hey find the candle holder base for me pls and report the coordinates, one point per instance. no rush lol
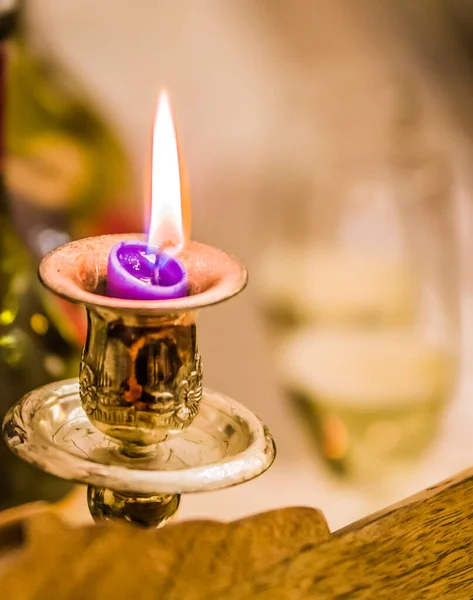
(152, 510)
(225, 445)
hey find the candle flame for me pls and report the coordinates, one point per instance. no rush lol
(166, 227)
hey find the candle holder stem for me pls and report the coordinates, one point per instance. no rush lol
(145, 510)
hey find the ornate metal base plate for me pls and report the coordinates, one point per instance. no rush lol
(225, 445)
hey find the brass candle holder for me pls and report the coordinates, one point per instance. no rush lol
(137, 426)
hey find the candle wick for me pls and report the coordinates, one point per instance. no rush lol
(160, 261)
(162, 255)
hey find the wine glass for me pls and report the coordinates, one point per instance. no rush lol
(358, 284)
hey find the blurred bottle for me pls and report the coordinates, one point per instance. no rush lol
(66, 176)
(33, 350)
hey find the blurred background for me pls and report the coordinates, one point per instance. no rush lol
(328, 145)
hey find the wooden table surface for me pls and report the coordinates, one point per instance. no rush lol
(420, 548)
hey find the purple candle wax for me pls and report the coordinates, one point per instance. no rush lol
(136, 271)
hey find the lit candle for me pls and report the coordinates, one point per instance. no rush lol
(151, 271)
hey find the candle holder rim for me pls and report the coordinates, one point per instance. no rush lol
(229, 276)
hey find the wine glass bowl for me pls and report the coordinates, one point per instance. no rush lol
(361, 301)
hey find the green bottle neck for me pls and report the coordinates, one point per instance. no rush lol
(8, 23)
(3, 199)
(21, 18)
